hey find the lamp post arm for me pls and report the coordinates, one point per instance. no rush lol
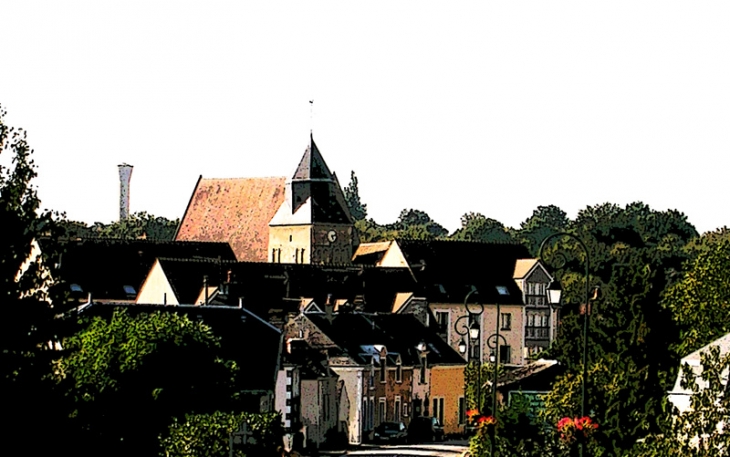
(586, 305)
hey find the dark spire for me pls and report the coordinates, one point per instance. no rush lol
(312, 165)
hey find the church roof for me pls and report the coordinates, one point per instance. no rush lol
(236, 211)
(312, 165)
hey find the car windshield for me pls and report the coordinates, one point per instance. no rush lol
(390, 426)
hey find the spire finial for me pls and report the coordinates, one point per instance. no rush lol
(311, 115)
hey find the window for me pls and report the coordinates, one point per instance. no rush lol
(506, 321)
(442, 321)
(371, 384)
(382, 370)
(396, 408)
(462, 411)
(423, 370)
(502, 290)
(381, 410)
(504, 354)
(398, 373)
(438, 409)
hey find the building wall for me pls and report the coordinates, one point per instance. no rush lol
(447, 382)
(287, 242)
(156, 289)
(487, 321)
(288, 387)
(327, 251)
(350, 408)
(319, 407)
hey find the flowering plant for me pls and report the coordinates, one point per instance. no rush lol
(486, 420)
(571, 429)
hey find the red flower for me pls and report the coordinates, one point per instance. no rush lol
(471, 413)
(486, 420)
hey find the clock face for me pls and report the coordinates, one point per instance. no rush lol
(332, 236)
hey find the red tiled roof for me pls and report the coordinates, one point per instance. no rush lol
(236, 211)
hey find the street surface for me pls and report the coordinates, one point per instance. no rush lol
(435, 450)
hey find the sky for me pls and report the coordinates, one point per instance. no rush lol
(446, 107)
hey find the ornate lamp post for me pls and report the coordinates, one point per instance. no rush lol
(471, 330)
(554, 298)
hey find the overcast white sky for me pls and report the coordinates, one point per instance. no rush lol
(450, 107)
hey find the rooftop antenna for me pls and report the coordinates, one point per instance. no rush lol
(311, 115)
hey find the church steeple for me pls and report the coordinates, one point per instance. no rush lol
(313, 224)
(312, 166)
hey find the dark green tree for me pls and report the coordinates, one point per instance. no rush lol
(358, 210)
(635, 253)
(700, 300)
(417, 224)
(27, 324)
(545, 221)
(127, 377)
(139, 225)
(477, 227)
(701, 430)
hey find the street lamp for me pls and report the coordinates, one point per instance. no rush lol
(554, 298)
(471, 330)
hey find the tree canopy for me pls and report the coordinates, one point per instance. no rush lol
(162, 364)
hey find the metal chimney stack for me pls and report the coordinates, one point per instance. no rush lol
(125, 175)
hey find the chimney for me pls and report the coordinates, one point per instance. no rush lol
(125, 175)
(329, 307)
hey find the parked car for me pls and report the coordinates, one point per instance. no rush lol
(390, 432)
(425, 429)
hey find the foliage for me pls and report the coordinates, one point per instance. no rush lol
(358, 210)
(476, 375)
(27, 325)
(700, 300)
(545, 221)
(516, 431)
(411, 224)
(161, 363)
(207, 435)
(416, 224)
(700, 430)
(477, 227)
(370, 231)
(634, 254)
(136, 226)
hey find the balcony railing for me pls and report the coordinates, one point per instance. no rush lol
(536, 300)
(537, 333)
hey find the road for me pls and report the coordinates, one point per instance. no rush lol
(434, 450)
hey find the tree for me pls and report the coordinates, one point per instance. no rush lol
(545, 221)
(128, 377)
(27, 323)
(358, 210)
(206, 435)
(136, 226)
(700, 300)
(634, 253)
(701, 431)
(477, 227)
(416, 224)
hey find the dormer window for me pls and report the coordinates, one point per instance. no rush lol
(398, 371)
(76, 288)
(502, 290)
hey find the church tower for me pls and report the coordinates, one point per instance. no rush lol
(313, 225)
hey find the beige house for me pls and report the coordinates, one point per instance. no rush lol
(501, 274)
